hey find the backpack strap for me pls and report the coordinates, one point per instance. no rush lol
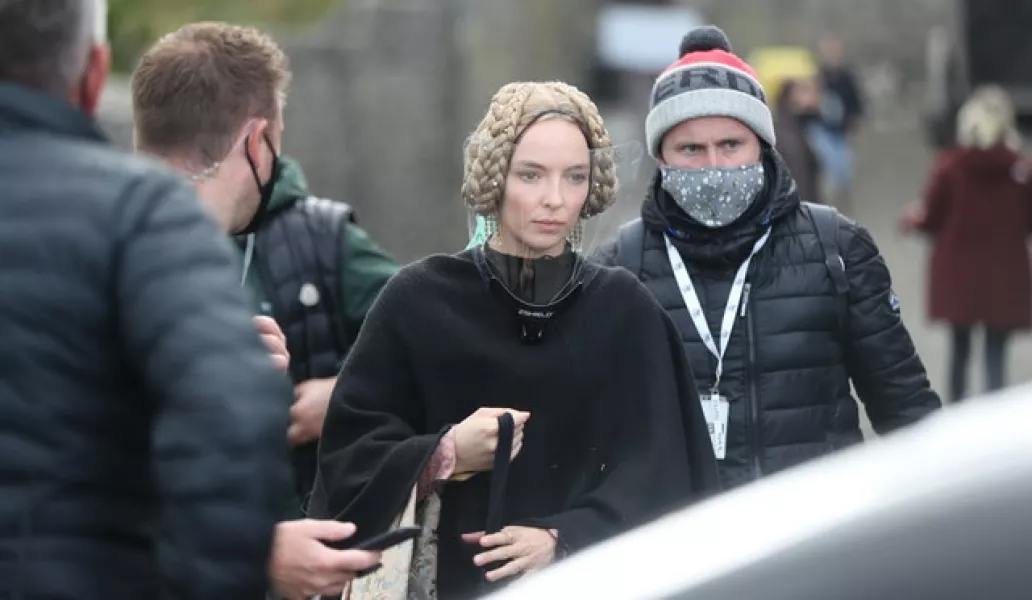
(825, 221)
(630, 246)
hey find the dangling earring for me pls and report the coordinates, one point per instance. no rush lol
(484, 229)
(490, 225)
(576, 236)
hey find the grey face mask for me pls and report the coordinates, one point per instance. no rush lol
(714, 196)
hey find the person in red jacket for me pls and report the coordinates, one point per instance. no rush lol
(978, 210)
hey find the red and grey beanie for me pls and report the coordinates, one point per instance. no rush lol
(708, 81)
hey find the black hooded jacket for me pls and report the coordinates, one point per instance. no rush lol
(796, 344)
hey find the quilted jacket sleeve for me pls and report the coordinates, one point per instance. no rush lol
(883, 363)
(220, 409)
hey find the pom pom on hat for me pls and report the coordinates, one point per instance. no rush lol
(701, 39)
(708, 80)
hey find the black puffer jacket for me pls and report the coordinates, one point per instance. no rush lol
(143, 437)
(788, 363)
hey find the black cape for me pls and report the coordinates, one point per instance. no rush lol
(616, 434)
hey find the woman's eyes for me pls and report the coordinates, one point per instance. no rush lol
(530, 176)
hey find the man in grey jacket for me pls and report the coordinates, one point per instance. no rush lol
(142, 448)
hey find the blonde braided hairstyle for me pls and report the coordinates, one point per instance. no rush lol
(515, 107)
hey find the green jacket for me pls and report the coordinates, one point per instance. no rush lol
(365, 267)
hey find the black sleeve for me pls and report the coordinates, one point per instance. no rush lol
(372, 449)
(882, 361)
(662, 443)
(853, 95)
(220, 409)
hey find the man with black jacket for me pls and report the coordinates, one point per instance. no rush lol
(141, 445)
(780, 304)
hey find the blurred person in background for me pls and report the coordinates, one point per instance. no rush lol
(977, 209)
(208, 100)
(780, 305)
(842, 109)
(797, 108)
(141, 446)
(605, 415)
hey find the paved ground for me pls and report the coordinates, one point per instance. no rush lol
(891, 163)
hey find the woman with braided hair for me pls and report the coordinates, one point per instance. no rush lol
(608, 430)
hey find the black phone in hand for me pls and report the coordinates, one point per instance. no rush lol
(380, 542)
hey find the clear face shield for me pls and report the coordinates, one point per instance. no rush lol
(590, 232)
(541, 219)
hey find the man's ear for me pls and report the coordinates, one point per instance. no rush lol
(254, 139)
(94, 78)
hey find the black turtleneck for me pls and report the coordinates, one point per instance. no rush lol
(703, 248)
(533, 280)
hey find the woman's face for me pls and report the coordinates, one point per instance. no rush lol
(547, 185)
(805, 96)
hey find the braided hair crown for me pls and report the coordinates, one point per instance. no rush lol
(515, 107)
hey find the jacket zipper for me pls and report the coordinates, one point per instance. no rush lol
(754, 400)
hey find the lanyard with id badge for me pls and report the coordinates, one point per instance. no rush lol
(715, 407)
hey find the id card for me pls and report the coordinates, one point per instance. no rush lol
(716, 411)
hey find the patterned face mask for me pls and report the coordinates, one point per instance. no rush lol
(714, 196)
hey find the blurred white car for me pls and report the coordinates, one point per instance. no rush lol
(941, 511)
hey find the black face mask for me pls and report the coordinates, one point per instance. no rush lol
(265, 189)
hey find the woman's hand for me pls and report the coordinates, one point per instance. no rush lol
(522, 549)
(477, 437)
(912, 218)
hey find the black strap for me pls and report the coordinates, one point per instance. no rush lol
(500, 474)
(826, 223)
(496, 495)
(631, 246)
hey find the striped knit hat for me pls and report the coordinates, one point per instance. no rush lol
(708, 81)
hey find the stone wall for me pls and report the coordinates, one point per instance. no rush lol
(386, 91)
